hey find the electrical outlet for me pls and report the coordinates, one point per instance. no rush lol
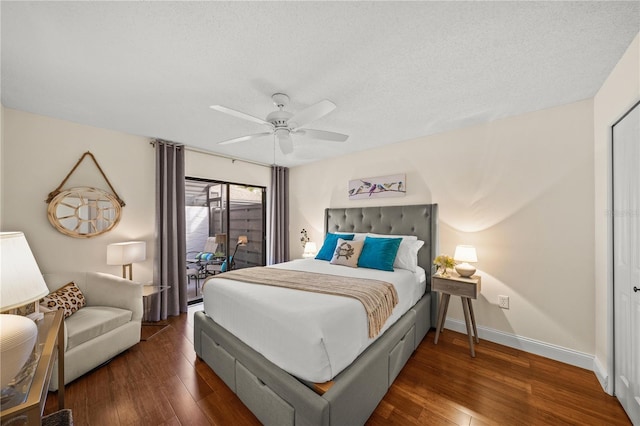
(503, 302)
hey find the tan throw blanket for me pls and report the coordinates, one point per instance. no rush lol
(378, 297)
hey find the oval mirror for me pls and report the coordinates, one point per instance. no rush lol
(84, 212)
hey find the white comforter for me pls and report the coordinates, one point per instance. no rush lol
(310, 335)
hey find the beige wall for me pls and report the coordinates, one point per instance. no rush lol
(519, 189)
(38, 152)
(617, 95)
(206, 166)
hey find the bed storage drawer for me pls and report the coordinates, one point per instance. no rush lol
(222, 363)
(268, 407)
(400, 353)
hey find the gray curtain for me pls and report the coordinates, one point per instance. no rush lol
(279, 230)
(170, 254)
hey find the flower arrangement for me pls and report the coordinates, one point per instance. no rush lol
(444, 262)
(304, 239)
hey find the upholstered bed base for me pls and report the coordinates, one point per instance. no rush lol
(278, 398)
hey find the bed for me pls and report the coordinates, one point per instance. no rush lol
(279, 397)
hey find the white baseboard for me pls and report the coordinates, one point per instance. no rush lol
(602, 376)
(547, 350)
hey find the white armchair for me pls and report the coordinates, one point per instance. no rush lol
(107, 325)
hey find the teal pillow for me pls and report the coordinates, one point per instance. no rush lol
(225, 266)
(379, 253)
(204, 256)
(329, 246)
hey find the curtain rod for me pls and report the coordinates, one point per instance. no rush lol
(215, 154)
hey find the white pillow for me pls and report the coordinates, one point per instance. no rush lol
(404, 237)
(357, 236)
(407, 257)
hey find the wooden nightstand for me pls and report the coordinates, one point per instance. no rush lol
(467, 289)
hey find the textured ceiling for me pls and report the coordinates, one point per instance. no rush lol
(395, 70)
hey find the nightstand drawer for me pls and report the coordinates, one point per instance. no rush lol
(456, 286)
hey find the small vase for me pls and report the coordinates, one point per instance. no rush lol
(443, 271)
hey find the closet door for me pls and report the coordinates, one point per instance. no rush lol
(626, 259)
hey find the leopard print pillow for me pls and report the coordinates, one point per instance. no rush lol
(68, 298)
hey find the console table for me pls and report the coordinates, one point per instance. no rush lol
(26, 405)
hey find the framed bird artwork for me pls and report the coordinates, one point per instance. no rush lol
(378, 187)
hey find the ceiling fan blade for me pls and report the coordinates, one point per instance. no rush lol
(313, 112)
(324, 135)
(239, 114)
(244, 138)
(286, 143)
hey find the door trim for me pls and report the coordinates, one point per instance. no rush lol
(610, 380)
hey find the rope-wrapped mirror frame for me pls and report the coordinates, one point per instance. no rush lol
(84, 212)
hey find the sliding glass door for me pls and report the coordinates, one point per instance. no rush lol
(225, 228)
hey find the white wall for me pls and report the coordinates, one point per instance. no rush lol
(36, 154)
(519, 189)
(617, 95)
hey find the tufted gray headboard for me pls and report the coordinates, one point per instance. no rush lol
(420, 220)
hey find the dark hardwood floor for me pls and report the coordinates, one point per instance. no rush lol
(160, 381)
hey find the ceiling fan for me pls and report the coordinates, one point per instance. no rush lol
(283, 123)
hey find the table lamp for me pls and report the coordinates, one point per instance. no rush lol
(126, 254)
(465, 254)
(310, 250)
(22, 283)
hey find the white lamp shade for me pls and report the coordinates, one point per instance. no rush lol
(21, 281)
(18, 336)
(126, 253)
(310, 249)
(465, 254)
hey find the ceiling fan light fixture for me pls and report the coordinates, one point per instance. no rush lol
(281, 132)
(284, 140)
